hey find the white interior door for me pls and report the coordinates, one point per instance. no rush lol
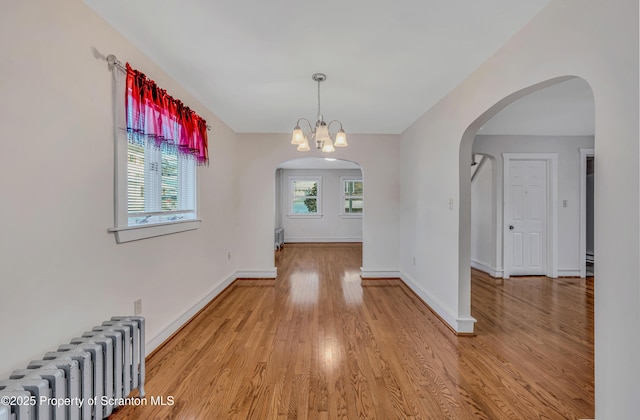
(526, 217)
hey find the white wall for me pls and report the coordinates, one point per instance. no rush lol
(597, 41)
(332, 226)
(61, 273)
(258, 156)
(483, 218)
(568, 149)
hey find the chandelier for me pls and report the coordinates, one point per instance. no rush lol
(320, 134)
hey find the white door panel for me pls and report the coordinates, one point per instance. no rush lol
(527, 216)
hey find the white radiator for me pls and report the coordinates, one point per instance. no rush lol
(106, 363)
(279, 237)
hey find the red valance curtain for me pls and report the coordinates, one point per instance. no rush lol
(154, 115)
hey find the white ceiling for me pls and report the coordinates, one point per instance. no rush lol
(250, 62)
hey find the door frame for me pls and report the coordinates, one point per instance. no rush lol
(584, 154)
(551, 160)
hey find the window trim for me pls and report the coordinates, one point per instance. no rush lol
(343, 197)
(125, 233)
(135, 233)
(318, 214)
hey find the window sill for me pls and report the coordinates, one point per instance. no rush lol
(304, 216)
(135, 233)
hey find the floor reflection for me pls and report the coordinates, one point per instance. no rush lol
(331, 355)
(304, 286)
(352, 287)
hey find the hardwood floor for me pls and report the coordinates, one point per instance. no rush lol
(319, 342)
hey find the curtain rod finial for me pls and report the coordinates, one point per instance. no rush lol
(112, 61)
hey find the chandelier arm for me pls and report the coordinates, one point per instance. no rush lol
(334, 121)
(311, 130)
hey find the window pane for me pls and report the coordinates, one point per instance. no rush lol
(353, 205)
(305, 188)
(187, 183)
(353, 188)
(169, 185)
(135, 178)
(159, 181)
(357, 188)
(303, 205)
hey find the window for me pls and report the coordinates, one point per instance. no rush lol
(155, 175)
(352, 197)
(305, 196)
(160, 185)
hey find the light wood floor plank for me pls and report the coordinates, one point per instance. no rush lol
(320, 343)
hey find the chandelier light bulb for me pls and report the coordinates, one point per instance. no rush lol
(304, 146)
(328, 147)
(341, 139)
(298, 136)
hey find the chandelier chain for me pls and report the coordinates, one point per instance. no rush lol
(318, 99)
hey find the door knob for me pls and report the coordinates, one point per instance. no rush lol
(510, 227)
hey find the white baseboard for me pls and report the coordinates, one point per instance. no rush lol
(269, 273)
(185, 317)
(379, 274)
(312, 239)
(462, 325)
(486, 268)
(458, 324)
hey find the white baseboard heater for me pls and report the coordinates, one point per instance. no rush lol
(90, 374)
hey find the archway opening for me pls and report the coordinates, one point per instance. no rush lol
(318, 200)
(529, 140)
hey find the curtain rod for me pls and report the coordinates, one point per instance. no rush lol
(115, 63)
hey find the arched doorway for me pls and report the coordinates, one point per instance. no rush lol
(549, 126)
(489, 195)
(318, 200)
(465, 156)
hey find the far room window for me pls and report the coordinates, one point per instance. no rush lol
(352, 197)
(305, 194)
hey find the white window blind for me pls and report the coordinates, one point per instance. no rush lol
(160, 185)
